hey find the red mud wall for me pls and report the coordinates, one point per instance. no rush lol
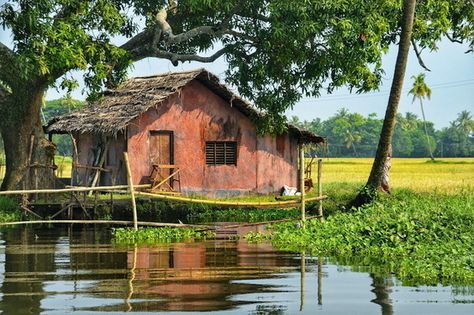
(197, 115)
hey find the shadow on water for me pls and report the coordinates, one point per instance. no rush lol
(77, 269)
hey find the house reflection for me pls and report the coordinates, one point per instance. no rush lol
(201, 276)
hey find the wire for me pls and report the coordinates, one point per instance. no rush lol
(445, 85)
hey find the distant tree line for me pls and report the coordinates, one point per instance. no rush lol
(59, 107)
(353, 135)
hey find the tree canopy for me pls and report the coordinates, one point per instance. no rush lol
(277, 50)
(409, 140)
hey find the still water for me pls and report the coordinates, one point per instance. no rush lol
(79, 270)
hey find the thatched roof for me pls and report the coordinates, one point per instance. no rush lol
(118, 107)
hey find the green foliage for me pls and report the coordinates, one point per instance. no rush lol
(158, 235)
(424, 239)
(243, 215)
(9, 210)
(351, 134)
(58, 107)
(277, 50)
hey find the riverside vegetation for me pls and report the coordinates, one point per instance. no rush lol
(422, 232)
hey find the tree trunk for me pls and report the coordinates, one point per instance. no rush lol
(374, 182)
(426, 131)
(29, 156)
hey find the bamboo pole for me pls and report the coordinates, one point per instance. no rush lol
(71, 189)
(111, 222)
(303, 210)
(320, 188)
(96, 177)
(226, 203)
(131, 189)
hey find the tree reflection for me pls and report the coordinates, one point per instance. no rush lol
(382, 289)
(22, 288)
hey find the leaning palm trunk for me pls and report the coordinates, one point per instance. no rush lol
(374, 182)
(426, 131)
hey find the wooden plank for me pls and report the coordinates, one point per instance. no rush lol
(166, 166)
(165, 180)
(71, 189)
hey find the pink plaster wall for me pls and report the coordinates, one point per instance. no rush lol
(197, 115)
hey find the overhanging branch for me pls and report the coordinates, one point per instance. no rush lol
(418, 56)
(175, 58)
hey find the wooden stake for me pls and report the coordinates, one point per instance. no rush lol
(132, 190)
(100, 165)
(320, 188)
(303, 210)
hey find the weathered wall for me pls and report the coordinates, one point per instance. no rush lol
(277, 163)
(87, 149)
(197, 115)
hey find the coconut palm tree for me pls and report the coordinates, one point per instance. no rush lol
(464, 122)
(378, 167)
(420, 90)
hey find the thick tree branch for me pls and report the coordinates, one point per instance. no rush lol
(418, 56)
(175, 58)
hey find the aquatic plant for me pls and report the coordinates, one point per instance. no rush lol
(158, 235)
(242, 215)
(9, 210)
(422, 238)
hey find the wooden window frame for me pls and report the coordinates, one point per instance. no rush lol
(228, 155)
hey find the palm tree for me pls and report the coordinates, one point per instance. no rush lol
(464, 122)
(378, 167)
(420, 90)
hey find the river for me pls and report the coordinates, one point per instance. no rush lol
(64, 269)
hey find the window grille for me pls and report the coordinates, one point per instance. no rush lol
(221, 152)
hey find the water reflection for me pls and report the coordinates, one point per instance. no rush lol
(74, 269)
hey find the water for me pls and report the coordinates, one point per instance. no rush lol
(78, 270)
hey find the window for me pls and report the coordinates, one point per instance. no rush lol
(221, 152)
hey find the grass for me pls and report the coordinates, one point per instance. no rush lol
(449, 175)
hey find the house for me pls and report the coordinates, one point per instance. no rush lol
(186, 121)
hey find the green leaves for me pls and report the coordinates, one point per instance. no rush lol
(424, 239)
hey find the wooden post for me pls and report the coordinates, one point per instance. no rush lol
(303, 210)
(320, 188)
(103, 154)
(132, 191)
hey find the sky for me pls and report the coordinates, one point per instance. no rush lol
(451, 80)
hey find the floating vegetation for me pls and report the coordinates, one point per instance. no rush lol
(158, 235)
(243, 215)
(422, 238)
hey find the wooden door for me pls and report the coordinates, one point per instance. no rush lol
(162, 152)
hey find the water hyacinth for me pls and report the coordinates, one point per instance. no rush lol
(158, 235)
(423, 239)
